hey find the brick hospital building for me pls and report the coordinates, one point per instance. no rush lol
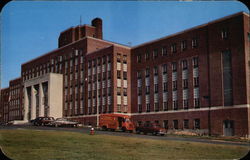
(195, 80)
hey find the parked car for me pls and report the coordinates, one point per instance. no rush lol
(63, 122)
(153, 128)
(42, 121)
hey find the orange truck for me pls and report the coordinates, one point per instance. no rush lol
(116, 122)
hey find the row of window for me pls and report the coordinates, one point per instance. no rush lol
(175, 124)
(164, 51)
(102, 109)
(184, 64)
(165, 86)
(49, 65)
(166, 105)
(100, 60)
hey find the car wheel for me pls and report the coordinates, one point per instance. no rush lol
(56, 125)
(144, 133)
(154, 133)
(137, 132)
(123, 129)
(104, 128)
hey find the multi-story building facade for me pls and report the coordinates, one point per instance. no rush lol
(194, 80)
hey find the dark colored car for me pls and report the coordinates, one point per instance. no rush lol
(153, 128)
(63, 122)
(42, 121)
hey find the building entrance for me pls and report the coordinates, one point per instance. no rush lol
(228, 128)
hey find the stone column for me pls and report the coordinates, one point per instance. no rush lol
(26, 105)
(33, 103)
(41, 102)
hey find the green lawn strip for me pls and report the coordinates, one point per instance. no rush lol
(229, 139)
(44, 145)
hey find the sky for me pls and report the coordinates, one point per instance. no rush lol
(31, 28)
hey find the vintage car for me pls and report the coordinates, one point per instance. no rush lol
(153, 128)
(42, 121)
(63, 122)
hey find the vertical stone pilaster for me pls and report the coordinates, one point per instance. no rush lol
(33, 103)
(41, 102)
(26, 105)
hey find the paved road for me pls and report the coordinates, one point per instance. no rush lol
(125, 134)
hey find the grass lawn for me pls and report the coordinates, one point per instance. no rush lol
(59, 145)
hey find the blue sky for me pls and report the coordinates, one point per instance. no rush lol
(30, 29)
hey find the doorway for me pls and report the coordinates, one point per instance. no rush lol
(228, 128)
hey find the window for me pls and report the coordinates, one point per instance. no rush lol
(139, 108)
(89, 64)
(185, 83)
(164, 51)
(227, 78)
(104, 75)
(196, 81)
(165, 124)
(175, 105)
(118, 57)
(109, 59)
(104, 59)
(139, 90)
(224, 33)
(164, 68)
(156, 88)
(156, 107)
(174, 85)
(155, 53)
(196, 103)
(155, 70)
(139, 58)
(197, 124)
(99, 61)
(139, 123)
(125, 91)
(138, 74)
(125, 75)
(125, 59)
(184, 64)
(147, 56)
(147, 72)
(175, 124)
(147, 89)
(118, 91)
(173, 48)
(194, 43)
(119, 74)
(165, 106)
(118, 108)
(195, 62)
(94, 63)
(185, 104)
(165, 86)
(186, 124)
(148, 107)
(109, 74)
(174, 66)
(183, 45)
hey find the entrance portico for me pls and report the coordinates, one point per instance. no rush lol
(43, 96)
